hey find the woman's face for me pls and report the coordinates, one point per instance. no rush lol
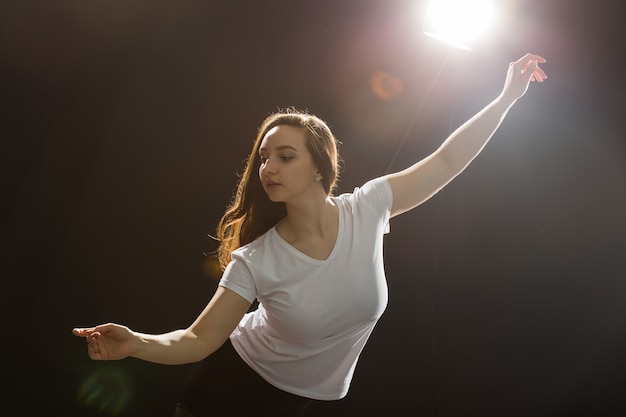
(287, 170)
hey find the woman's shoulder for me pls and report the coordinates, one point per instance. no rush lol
(374, 189)
(255, 247)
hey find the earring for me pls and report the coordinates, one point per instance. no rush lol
(318, 178)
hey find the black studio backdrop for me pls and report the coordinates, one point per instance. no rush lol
(124, 127)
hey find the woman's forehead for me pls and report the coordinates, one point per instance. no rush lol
(284, 136)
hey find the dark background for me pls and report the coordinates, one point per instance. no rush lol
(124, 125)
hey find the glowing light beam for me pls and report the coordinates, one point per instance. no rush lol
(459, 22)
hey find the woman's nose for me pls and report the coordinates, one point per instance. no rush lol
(268, 165)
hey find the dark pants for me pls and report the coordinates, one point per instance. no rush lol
(224, 385)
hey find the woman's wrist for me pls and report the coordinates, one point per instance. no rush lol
(139, 344)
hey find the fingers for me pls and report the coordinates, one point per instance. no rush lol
(531, 57)
(85, 331)
(536, 73)
(92, 336)
(89, 334)
(539, 75)
(94, 350)
(82, 332)
(528, 66)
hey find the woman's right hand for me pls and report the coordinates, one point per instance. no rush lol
(108, 341)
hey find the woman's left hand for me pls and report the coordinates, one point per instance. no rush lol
(521, 73)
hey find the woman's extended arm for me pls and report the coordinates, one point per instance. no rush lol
(207, 333)
(419, 182)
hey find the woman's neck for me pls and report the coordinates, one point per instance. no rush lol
(316, 219)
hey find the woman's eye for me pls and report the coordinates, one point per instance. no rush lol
(284, 158)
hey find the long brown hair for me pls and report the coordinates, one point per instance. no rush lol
(251, 213)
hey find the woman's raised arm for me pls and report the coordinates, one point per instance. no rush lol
(419, 182)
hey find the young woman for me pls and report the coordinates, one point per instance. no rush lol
(312, 260)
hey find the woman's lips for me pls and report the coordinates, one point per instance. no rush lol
(270, 185)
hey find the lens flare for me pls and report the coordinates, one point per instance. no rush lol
(107, 390)
(385, 86)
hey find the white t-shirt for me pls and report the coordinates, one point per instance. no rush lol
(314, 316)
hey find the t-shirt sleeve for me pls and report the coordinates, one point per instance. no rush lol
(238, 278)
(377, 195)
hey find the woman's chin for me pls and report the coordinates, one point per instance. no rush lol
(273, 198)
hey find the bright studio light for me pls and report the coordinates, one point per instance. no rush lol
(458, 22)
